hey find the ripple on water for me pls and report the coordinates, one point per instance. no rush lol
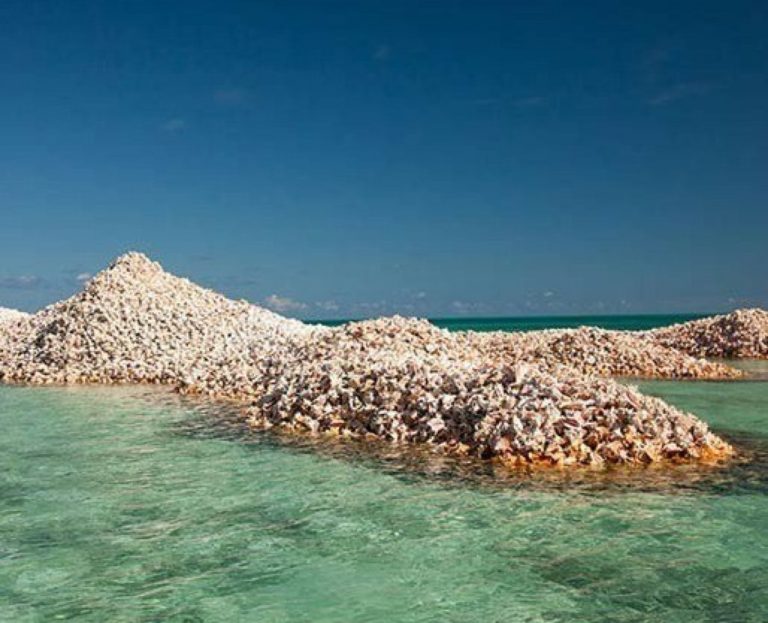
(129, 504)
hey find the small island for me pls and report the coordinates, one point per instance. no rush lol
(529, 398)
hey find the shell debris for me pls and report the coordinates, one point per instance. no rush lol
(740, 334)
(11, 315)
(537, 398)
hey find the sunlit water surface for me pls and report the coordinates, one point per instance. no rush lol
(133, 505)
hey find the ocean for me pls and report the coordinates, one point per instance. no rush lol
(532, 323)
(135, 504)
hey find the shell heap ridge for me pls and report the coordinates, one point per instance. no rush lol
(527, 398)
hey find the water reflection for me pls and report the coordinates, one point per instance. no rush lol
(128, 504)
(747, 473)
(757, 369)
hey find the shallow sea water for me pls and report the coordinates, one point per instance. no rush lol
(134, 505)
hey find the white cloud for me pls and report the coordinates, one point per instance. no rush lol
(283, 303)
(327, 305)
(530, 102)
(83, 277)
(679, 91)
(22, 282)
(372, 306)
(548, 294)
(465, 307)
(177, 124)
(382, 53)
(420, 295)
(230, 97)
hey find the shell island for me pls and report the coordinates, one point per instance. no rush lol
(532, 398)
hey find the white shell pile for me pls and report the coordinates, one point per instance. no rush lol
(601, 352)
(395, 379)
(741, 334)
(136, 323)
(406, 381)
(11, 315)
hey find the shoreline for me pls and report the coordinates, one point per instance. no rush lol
(225, 414)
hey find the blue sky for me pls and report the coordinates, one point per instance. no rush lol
(344, 159)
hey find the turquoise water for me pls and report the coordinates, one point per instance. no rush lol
(531, 323)
(132, 505)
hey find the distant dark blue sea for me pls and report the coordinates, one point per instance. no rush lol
(532, 323)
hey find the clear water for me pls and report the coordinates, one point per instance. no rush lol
(131, 505)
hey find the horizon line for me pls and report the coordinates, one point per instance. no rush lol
(532, 316)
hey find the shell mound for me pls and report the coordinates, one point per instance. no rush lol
(136, 323)
(406, 381)
(740, 334)
(396, 379)
(8, 316)
(603, 353)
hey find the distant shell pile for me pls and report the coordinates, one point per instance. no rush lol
(740, 334)
(136, 323)
(10, 315)
(601, 352)
(406, 381)
(508, 396)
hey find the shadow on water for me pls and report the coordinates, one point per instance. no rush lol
(136, 503)
(757, 369)
(745, 474)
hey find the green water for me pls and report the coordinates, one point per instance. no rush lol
(532, 323)
(131, 505)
